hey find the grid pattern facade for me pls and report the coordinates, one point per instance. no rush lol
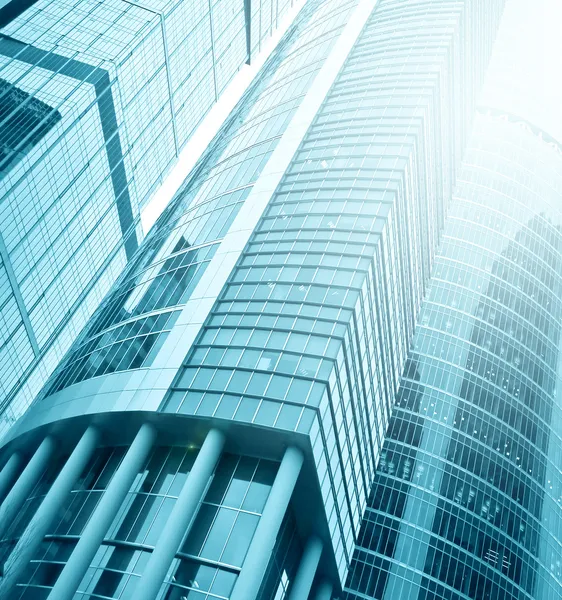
(309, 336)
(311, 333)
(312, 330)
(34, 122)
(173, 258)
(96, 101)
(467, 499)
(207, 565)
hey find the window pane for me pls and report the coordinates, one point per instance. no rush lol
(240, 539)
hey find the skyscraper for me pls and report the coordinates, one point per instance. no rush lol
(215, 430)
(467, 500)
(96, 101)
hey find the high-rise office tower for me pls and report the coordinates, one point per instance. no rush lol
(467, 501)
(215, 430)
(96, 101)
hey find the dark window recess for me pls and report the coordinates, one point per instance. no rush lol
(24, 120)
(14, 9)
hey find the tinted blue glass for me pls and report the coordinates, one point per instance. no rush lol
(321, 306)
(466, 501)
(96, 102)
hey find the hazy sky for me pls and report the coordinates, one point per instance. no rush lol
(525, 75)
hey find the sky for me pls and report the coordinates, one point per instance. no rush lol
(525, 74)
(524, 78)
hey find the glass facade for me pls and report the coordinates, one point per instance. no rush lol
(34, 120)
(467, 500)
(274, 303)
(177, 252)
(96, 101)
(207, 565)
(311, 332)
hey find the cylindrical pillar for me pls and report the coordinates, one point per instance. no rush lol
(259, 553)
(25, 483)
(181, 517)
(103, 515)
(8, 472)
(43, 517)
(324, 591)
(302, 583)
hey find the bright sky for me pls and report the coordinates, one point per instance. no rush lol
(525, 75)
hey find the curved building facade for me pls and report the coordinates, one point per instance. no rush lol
(467, 500)
(214, 432)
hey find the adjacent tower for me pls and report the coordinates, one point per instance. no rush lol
(467, 500)
(96, 101)
(214, 432)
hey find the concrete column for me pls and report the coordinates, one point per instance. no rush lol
(25, 483)
(8, 472)
(181, 517)
(300, 589)
(259, 553)
(47, 511)
(103, 515)
(324, 591)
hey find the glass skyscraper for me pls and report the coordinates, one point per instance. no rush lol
(467, 500)
(215, 431)
(96, 101)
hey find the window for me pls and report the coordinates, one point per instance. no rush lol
(24, 121)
